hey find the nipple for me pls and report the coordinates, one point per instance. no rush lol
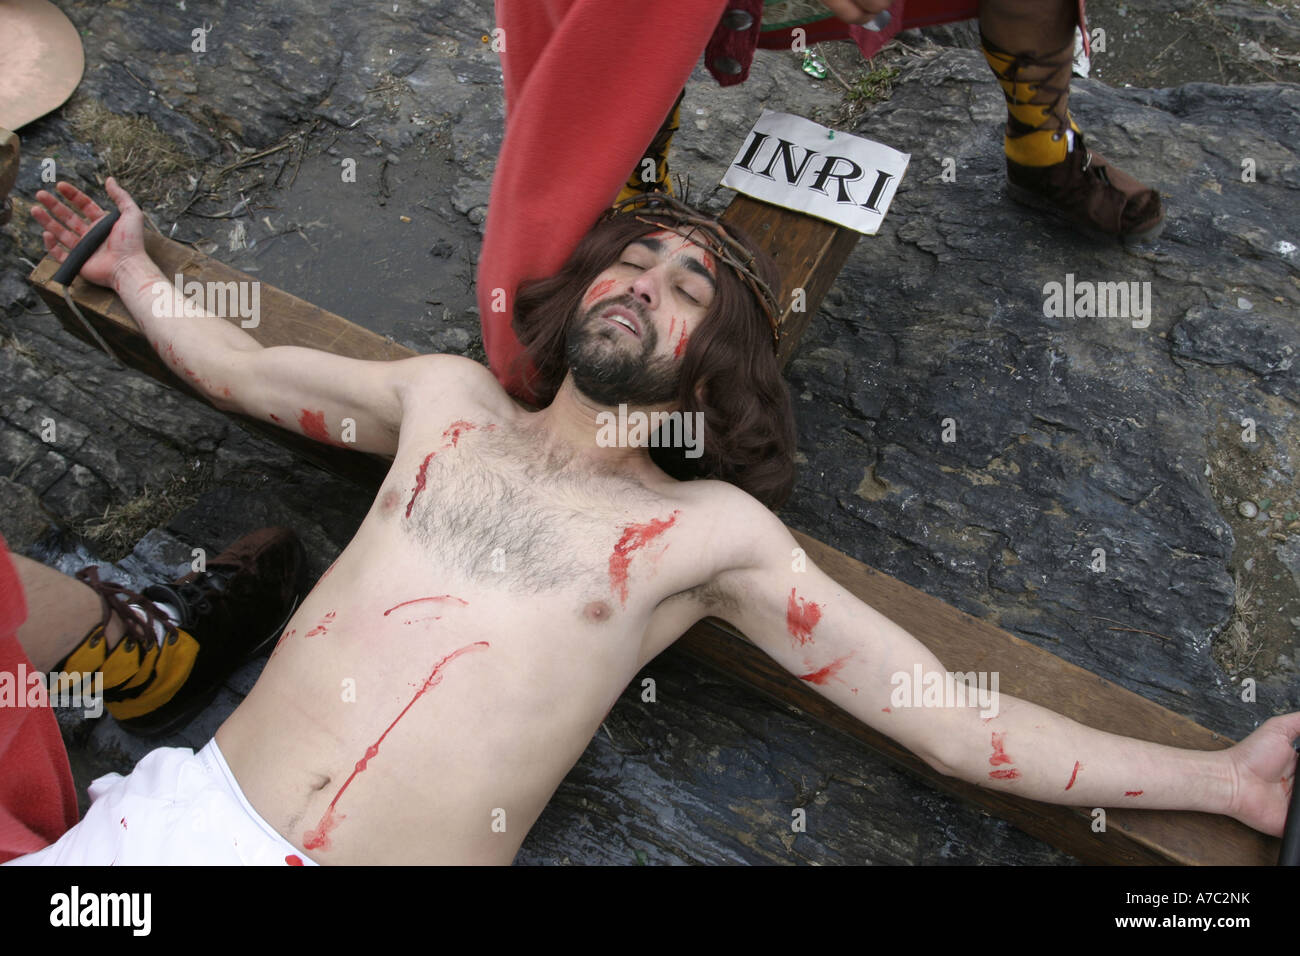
(596, 612)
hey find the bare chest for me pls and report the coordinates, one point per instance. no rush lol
(492, 505)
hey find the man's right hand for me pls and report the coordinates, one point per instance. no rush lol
(64, 226)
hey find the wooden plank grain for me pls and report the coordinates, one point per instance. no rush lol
(809, 253)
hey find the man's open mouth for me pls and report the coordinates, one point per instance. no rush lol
(624, 317)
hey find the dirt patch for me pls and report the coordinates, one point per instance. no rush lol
(114, 533)
(1167, 43)
(1265, 517)
(140, 156)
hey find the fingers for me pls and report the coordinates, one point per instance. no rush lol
(79, 199)
(119, 195)
(55, 232)
(63, 214)
(53, 248)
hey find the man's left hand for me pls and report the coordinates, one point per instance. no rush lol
(1264, 767)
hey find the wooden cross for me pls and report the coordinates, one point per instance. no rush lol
(810, 254)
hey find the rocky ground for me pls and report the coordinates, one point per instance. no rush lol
(1172, 446)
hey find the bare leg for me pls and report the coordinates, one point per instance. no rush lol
(1029, 25)
(60, 612)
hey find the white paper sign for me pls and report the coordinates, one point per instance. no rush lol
(793, 162)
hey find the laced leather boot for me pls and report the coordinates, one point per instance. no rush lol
(1049, 165)
(226, 614)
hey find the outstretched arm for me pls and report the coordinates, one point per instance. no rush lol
(866, 664)
(300, 389)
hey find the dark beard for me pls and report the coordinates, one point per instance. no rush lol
(608, 372)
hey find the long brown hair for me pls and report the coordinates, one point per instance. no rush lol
(748, 418)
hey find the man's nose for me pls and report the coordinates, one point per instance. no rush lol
(646, 287)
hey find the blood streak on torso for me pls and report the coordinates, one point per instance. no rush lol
(435, 617)
(319, 838)
(453, 431)
(635, 536)
(323, 626)
(421, 477)
(451, 437)
(439, 597)
(801, 617)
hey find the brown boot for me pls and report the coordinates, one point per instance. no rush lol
(1049, 167)
(1101, 200)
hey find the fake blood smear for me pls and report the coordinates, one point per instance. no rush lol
(421, 477)
(826, 673)
(313, 425)
(293, 859)
(801, 617)
(283, 637)
(1132, 793)
(681, 343)
(453, 431)
(1005, 774)
(1073, 775)
(451, 436)
(322, 627)
(999, 754)
(635, 536)
(319, 838)
(599, 290)
(440, 597)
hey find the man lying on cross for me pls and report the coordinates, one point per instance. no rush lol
(514, 574)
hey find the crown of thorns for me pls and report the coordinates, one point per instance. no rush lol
(711, 234)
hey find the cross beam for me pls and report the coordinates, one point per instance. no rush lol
(810, 254)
